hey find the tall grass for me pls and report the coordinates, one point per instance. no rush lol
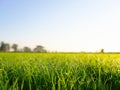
(33, 71)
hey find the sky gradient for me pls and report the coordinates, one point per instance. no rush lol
(61, 25)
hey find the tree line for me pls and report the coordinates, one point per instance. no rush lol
(6, 47)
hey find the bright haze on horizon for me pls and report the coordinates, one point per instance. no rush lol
(61, 25)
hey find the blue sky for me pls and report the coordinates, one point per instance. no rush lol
(61, 25)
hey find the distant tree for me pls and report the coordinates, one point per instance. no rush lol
(15, 47)
(27, 49)
(4, 47)
(7, 47)
(39, 48)
(20, 50)
(102, 51)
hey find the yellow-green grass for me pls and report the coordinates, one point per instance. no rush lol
(55, 71)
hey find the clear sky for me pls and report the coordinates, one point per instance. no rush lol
(61, 25)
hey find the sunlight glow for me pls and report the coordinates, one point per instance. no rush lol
(62, 25)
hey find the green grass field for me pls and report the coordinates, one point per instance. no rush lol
(47, 71)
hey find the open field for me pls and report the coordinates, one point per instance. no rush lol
(59, 71)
